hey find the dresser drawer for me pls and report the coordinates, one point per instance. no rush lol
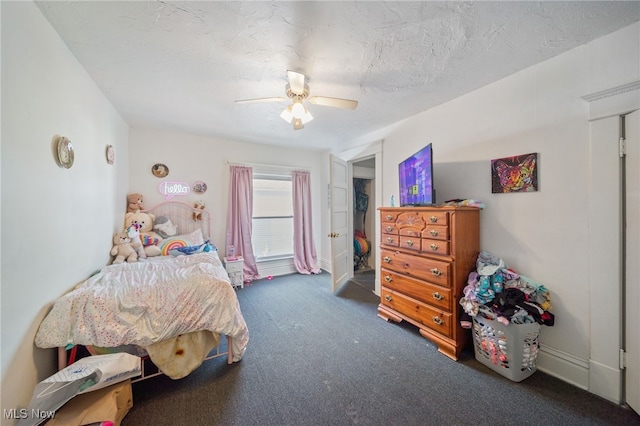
(435, 217)
(389, 216)
(432, 294)
(411, 232)
(410, 243)
(434, 271)
(389, 228)
(436, 232)
(410, 219)
(434, 246)
(421, 312)
(390, 240)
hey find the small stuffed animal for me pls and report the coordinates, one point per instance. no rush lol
(122, 249)
(198, 208)
(133, 232)
(134, 203)
(150, 239)
(164, 227)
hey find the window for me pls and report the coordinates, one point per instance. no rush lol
(272, 236)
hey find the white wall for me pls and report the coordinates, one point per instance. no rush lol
(544, 235)
(191, 158)
(57, 223)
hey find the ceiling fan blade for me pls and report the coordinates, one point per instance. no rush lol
(334, 102)
(261, 100)
(296, 82)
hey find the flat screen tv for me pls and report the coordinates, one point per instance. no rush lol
(416, 179)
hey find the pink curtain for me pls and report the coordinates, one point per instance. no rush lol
(239, 218)
(304, 250)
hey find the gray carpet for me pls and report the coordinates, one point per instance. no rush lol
(365, 279)
(315, 358)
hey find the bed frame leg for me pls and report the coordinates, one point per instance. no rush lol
(229, 350)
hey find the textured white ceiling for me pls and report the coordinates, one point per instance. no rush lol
(180, 65)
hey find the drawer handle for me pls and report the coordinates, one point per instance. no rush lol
(434, 233)
(437, 296)
(434, 247)
(389, 217)
(388, 298)
(438, 320)
(389, 228)
(410, 243)
(388, 278)
(433, 219)
(436, 272)
(389, 239)
(386, 259)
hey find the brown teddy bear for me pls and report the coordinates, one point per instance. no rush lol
(134, 203)
(122, 249)
(150, 239)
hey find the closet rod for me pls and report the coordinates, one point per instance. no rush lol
(273, 166)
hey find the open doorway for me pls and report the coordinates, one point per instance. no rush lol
(364, 222)
(367, 159)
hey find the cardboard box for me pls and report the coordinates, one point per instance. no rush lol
(110, 403)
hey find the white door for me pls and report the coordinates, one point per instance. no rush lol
(340, 188)
(632, 317)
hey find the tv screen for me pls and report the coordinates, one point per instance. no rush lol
(416, 179)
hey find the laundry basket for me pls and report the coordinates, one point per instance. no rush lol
(510, 350)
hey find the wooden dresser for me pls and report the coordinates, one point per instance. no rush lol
(426, 255)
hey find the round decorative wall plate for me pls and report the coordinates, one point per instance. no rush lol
(111, 155)
(160, 170)
(199, 187)
(64, 152)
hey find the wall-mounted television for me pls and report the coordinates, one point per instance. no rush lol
(416, 179)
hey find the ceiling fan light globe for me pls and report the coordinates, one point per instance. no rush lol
(297, 124)
(307, 117)
(286, 114)
(297, 109)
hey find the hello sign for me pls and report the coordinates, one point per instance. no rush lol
(172, 189)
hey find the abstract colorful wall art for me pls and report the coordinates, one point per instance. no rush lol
(515, 174)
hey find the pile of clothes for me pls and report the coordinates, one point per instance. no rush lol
(459, 202)
(499, 293)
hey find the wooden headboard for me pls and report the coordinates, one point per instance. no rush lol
(182, 216)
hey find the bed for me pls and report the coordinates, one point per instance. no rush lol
(171, 309)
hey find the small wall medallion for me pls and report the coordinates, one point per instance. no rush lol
(199, 187)
(111, 155)
(63, 151)
(159, 170)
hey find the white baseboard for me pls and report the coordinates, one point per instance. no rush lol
(275, 268)
(605, 381)
(564, 366)
(596, 378)
(325, 265)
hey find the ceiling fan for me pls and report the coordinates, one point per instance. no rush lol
(297, 90)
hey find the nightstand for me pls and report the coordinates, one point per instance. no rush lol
(234, 268)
